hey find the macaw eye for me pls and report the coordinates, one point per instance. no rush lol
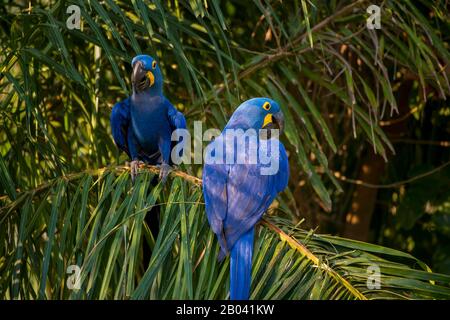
(266, 106)
(154, 64)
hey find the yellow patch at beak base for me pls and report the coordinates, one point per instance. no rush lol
(267, 119)
(151, 77)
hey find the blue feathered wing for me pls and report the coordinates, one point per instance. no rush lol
(176, 121)
(120, 122)
(237, 195)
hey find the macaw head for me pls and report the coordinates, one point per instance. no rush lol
(146, 75)
(257, 113)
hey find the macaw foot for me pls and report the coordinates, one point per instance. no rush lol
(164, 170)
(134, 167)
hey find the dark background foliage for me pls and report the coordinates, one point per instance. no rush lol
(367, 113)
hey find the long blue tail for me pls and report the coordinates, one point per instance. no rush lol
(241, 266)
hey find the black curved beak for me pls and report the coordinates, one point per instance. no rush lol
(278, 120)
(138, 77)
(273, 121)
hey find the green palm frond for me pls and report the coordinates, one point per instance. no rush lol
(95, 220)
(334, 79)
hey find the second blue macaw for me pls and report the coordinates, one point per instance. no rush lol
(237, 193)
(142, 124)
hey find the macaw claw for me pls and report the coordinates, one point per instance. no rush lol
(164, 170)
(134, 167)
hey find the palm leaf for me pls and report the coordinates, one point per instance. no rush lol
(289, 263)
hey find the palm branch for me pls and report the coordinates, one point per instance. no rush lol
(334, 79)
(95, 220)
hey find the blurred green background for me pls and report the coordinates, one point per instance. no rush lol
(367, 112)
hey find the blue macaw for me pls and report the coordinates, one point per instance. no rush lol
(237, 193)
(142, 124)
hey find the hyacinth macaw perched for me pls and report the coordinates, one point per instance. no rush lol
(236, 192)
(142, 124)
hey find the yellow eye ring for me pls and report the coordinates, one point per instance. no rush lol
(266, 106)
(154, 64)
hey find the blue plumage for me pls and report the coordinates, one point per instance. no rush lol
(241, 266)
(237, 194)
(142, 124)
